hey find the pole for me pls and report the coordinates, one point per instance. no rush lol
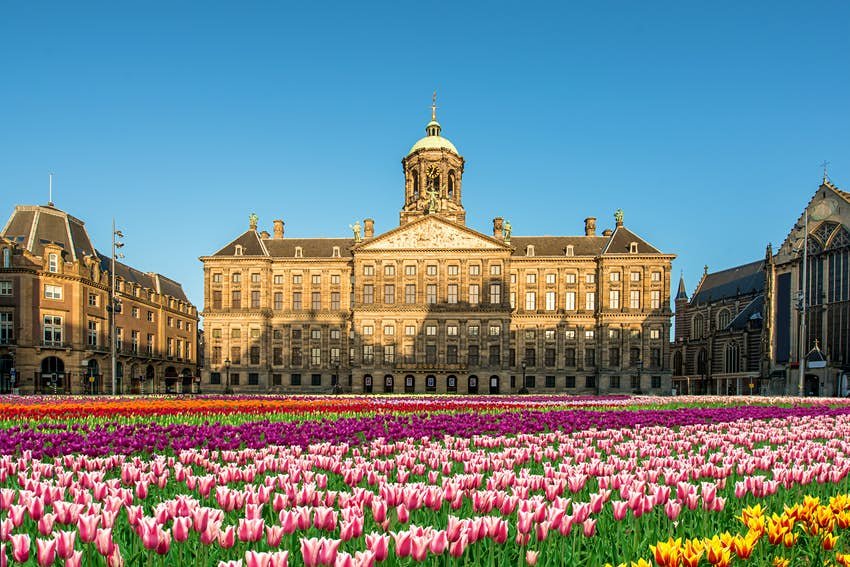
(113, 344)
(801, 343)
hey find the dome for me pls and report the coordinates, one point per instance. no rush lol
(433, 141)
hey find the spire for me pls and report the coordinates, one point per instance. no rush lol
(824, 165)
(433, 128)
(682, 294)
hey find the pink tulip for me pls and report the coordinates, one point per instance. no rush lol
(589, 527)
(531, 557)
(16, 514)
(379, 545)
(45, 524)
(45, 551)
(621, 508)
(456, 548)
(439, 543)
(164, 543)
(65, 543)
(257, 559)
(74, 560)
(209, 535)
(310, 548)
(328, 551)
(20, 547)
(227, 537)
(402, 513)
(403, 544)
(180, 529)
(279, 559)
(87, 527)
(250, 530)
(4, 561)
(115, 558)
(103, 542)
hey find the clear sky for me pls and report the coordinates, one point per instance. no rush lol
(705, 122)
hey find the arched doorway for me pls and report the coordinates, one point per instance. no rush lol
(812, 386)
(186, 381)
(409, 384)
(150, 374)
(451, 383)
(430, 383)
(472, 384)
(388, 384)
(367, 383)
(494, 384)
(170, 380)
(7, 363)
(52, 375)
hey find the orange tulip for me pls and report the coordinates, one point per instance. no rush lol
(667, 553)
(829, 541)
(781, 562)
(790, 539)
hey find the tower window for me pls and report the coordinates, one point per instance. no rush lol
(451, 185)
(415, 184)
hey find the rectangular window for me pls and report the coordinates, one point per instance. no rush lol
(389, 294)
(53, 263)
(431, 330)
(654, 334)
(614, 382)
(277, 379)
(589, 334)
(389, 270)
(634, 299)
(431, 294)
(334, 279)
(590, 381)
(472, 330)
(656, 276)
(550, 301)
(236, 299)
(296, 356)
(512, 300)
(52, 330)
(335, 334)
(134, 342)
(613, 333)
(92, 299)
(549, 334)
(530, 301)
(431, 270)
(368, 330)
(278, 279)
(389, 330)
(5, 288)
(590, 357)
(451, 295)
(474, 270)
(216, 278)
(472, 355)
(368, 354)
(550, 381)
(296, 279)
(531, 278)
(234, 378)
(236, 277)
(635, 382)
(495, 358)
(495, 293)
(530, 334)
(368, 294)
(255, 299)
(655, 358)
(550, 279)
(452, 269)
(431, 354)
(656, 382)
(549, 357)
(277, 356)
(570, 278)
(570, 357)
(655, 299)
(253, 379)
(170, 321)
(589, 278)
(410, 330)
(570, 334)
(451, 330)
(614, 299)
(473, 294)
(52, 291)
(530, 357)
(495, 330)
(335, 305)
(410, 270)
(296, 300)
(614, 357)
(570, 382)
(410, 293)
(215, 377)
(635, 276)
(451, 354)
(278, 300)
(316, 300)
(615, 276)
(570, 304)
(368, 270)
(216, 299)
(150, 346)
(389, 354)
(315, 356)
(335, 354)
(295, 379)
(254, 355)
(589, 301)
(91, 335)
(296, 334)
(316, 279)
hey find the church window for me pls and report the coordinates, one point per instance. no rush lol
(698, 328)
(723, 319)
(733, 359)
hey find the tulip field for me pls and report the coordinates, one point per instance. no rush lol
(352, 481)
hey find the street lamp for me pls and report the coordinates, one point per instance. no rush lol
(227, 376)
(801, 306)
(524, 365)
(116, 244)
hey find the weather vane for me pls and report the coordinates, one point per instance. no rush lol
(824, 165)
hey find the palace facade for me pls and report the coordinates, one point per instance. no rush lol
(55, 330)
(435, 306)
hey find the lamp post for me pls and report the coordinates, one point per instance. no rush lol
(524, 365)
(116, 244)
(801, 306)
(227, 375)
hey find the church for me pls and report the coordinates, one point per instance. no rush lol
(435, 306)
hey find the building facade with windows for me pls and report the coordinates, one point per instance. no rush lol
(55, 291)
(435, 306)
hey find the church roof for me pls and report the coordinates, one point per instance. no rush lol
(729, 283)
(753, 311)
(433, 143)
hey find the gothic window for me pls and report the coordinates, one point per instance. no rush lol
(723, 319)
(702, 362)
(733, 359)
(699, 327)
(840, 239)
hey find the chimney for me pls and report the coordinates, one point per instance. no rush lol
(590, 226)
(368, 228)
(278, 229)
(264, 235)
(607, 232)
(498, 225)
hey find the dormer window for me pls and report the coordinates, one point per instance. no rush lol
(53, 263)
(335, 253)
(237, 251)
(633, 248)
(7, 258)
(529, 250)
(299, 252)
(570, 250)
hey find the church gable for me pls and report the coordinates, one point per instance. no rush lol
(432, 233)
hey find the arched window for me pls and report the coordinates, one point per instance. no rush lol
(451, 187)
(415, 184)
(698, 327)
(7, 258)
(702, 362)
(723, 320)
(677, 364)
(733, 358)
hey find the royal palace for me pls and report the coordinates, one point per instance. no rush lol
(436, 306)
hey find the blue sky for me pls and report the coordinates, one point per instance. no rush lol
(705, 122)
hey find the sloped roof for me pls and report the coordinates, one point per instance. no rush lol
(250, 242)
(310, 247)
(33, 227)
(557, 245)
(150, 280)
(753, 310)
(622, 239)
(733, 282)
